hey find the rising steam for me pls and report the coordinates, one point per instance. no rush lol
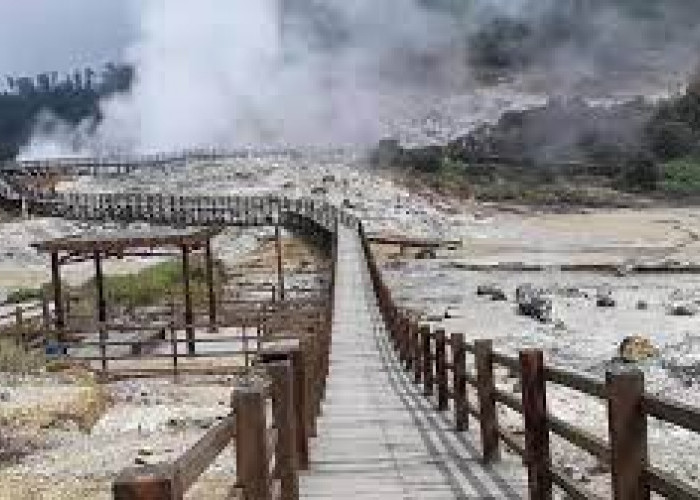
(227, 73)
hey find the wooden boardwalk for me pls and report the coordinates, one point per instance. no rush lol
(377, 436)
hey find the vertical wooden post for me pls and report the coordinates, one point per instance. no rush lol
(189, 329)
(417, 364)
(280, 261)
(251, 442)
(410, 346)
(441, 369)
(45, 311)
(537, 454)
(103, 347)
(627, 426)
(483, 352)
(99, 282)
(151, 482)
(210, 286)
(301, 406)
(427, 362)
(459, 382)
(57, 296)
(283, 414)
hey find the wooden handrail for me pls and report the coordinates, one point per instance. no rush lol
(628, 406)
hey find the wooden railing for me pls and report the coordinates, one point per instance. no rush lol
(438, 362)
(270, 446)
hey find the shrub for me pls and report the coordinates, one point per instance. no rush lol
(17, 359)
(682, 176)
(24, 295)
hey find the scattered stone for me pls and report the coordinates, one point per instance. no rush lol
(426, 253)
(492, 291)
(637, 348)
(683, 309)
(604, 298)
(534, 303)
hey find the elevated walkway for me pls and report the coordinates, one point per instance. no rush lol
(378, 438)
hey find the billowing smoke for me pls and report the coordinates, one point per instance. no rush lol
(227, 73)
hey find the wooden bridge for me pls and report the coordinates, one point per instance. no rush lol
(376, 404)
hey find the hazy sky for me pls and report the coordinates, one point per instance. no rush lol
(45, 35)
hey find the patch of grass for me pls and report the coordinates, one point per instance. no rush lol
(151, 285)
(24, 295)
(682, 176)
(17, 359)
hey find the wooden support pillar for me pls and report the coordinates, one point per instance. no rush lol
(280, 262)
(534, 394)
(441, 370)
(189, 329)
(417, 365)
(427, 360)
(252, 466)
(483, 352)
(281, 373)
(459, 382)
(210, 286)
(627, 427)
(60, 320)
(99, 282)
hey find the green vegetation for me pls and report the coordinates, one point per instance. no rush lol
(72, 98)
(682, 176)
(17, 359)
(24, 295)
(151, 285)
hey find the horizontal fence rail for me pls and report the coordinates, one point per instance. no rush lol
(438, 362)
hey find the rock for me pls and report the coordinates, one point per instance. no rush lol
(642, 305)
(4, 396)
(534, 303)
(604, 298)
(145, 452)
(492, 291)
(683, 309)
(426, 253)
(637, 348)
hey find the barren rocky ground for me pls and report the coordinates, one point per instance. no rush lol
(498, 244)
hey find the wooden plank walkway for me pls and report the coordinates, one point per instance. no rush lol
(378, 437)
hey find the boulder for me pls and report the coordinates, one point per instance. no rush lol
(683, 309)
(492, 291)
(534, 303)
(426, 253)
(604, 298)
(642, 305)
(637, 348)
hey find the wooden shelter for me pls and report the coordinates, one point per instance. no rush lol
(153, 242)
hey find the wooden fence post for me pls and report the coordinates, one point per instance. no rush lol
(301, 405)
(459, 384)
(283, 414)
(252, 466)
(410, 346)
(483, 353)
(151, 482)
(441, 370)
(427, 360)
(417, 366)
(537, 455)
(627, 426)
